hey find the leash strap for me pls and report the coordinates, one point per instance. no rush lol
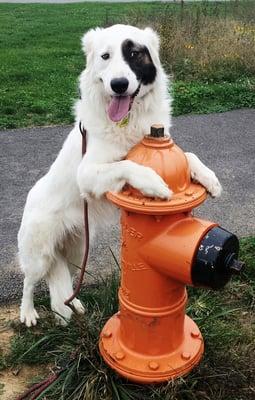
(84, 139)
(86, 229)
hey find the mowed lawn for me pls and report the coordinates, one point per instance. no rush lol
(41, 59)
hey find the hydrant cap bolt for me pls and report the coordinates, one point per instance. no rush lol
(186, 355)
(107, 334)
(216, 259)
(153, 365)
(119, 355)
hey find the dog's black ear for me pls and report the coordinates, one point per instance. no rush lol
(88, 40)
(154, 38)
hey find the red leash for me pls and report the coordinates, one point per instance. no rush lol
(86, 228)
(38, 388)
(34, 392)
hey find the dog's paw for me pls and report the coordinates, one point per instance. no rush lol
(215, 188)
(78, 306)
(62, 313)
(28, 316)
(150, 183)
(209, 180)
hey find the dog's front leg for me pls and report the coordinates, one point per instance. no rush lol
(97, 179)
(204, 175)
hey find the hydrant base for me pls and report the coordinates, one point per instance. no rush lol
(146, 368)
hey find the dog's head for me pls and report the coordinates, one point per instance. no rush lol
(124, 61)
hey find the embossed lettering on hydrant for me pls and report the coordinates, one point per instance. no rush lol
(133, 232)
(134, 266)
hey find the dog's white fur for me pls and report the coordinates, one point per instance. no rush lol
(51, 234)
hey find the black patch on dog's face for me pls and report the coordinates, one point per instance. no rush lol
(139, 59)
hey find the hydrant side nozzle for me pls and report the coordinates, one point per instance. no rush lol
(195, 252)
(172, 251)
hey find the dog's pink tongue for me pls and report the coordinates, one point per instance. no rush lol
(118, 107)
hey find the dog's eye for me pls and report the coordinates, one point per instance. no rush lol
(134, 54)
(105, 56)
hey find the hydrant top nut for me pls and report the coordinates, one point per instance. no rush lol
(157, 131)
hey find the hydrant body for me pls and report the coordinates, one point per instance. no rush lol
(163, 249)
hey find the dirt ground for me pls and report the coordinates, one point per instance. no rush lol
(15, 381)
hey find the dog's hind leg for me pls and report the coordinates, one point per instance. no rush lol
(34, 270)
(61, 288)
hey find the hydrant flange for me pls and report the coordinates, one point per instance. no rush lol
(149, 368)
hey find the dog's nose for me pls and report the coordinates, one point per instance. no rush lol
(119, 85)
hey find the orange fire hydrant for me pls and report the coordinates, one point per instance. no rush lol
(164, 248)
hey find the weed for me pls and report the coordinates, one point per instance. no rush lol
(226, 372)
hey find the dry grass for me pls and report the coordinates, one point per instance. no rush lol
(213, 49)
(206, 41)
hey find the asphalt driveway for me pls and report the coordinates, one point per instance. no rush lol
(225, 142)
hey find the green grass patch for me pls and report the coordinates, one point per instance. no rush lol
(226, 319)
(41, 58)
(204, 98)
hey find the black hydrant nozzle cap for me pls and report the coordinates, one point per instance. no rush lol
(216, 259)
(157, 131)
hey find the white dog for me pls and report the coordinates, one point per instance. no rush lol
(124, 91)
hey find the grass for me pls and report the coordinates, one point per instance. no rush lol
(203, 98)
(225, 318)
(207, 47)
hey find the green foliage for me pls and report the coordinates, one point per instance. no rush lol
(41, 58)
(1, 389)
(225, 317)
(247, 253)
(199, 97)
